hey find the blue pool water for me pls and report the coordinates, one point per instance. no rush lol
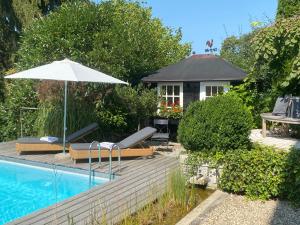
(25, 189)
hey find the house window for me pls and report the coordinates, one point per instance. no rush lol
(170, 95)
(213, 90)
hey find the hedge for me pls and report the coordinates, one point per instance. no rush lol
(263, 173)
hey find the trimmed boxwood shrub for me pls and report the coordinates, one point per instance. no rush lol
(218, 123)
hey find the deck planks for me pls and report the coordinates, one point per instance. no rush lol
(140, 180)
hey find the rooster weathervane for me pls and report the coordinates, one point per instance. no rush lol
(210, 48)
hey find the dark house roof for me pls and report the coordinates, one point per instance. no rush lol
(198, 68)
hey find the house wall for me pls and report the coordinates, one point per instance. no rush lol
(203, 85)
(193, 91)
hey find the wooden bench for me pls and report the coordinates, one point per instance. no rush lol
(279, 119)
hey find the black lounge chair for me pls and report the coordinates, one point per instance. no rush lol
(128, 147)
(34, 144)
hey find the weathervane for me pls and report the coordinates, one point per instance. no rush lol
(210, 48)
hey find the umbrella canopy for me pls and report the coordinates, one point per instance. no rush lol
(66, 70)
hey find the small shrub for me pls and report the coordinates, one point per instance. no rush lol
(218, 123)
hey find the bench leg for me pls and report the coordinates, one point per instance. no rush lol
(264, 128)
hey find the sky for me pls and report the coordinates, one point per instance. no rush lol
(202, 20)
(212, 19)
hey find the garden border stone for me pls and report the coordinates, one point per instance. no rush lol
(196, 215)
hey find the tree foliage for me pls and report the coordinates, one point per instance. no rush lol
(18, 94)
(117, 37)
(277, 47)
(287, 8)
(14, 16)
(273, 64)
(8, 40)
(239, 51)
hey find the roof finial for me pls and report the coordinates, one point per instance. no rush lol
(210, 48)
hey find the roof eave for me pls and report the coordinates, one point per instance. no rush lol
(193, 80)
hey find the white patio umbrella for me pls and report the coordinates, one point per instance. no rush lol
(65, 70)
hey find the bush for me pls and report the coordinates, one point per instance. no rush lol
(17, 94)
(120, 112)
(291, 187)
(257, 173)
(219, 123)
(263, 173)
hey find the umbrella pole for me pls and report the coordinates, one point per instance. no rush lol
(65, 117)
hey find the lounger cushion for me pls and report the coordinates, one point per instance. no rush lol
(70, 138)
(128, 142)
(82, 132)
(83, 146)
(34, 140)
(137, 137)
(281, 107)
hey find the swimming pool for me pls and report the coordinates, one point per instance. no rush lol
(25, 188)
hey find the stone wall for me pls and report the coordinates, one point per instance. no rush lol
(204, 170)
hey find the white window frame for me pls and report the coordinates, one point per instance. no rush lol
(203, 85)
(180, 84)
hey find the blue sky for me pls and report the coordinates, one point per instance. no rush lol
(211, 19)
(203, 20)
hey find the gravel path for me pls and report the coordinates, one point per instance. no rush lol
(238, 210)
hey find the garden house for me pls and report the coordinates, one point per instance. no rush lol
(194, 78)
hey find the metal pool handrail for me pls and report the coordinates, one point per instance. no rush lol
(99, 159)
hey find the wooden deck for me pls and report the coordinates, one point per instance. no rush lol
(139, 181)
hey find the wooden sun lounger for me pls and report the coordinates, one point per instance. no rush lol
(129, 152)
(127, 147)
(39, 146)
(33, 144)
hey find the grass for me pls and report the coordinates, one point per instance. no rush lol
(178, 200)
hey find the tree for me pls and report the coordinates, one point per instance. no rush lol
(275, 70)
(8, 35)
(117, 37)
(238, 51)
(14, 16)
(287, 8)
(277, 48)
(8, 40)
